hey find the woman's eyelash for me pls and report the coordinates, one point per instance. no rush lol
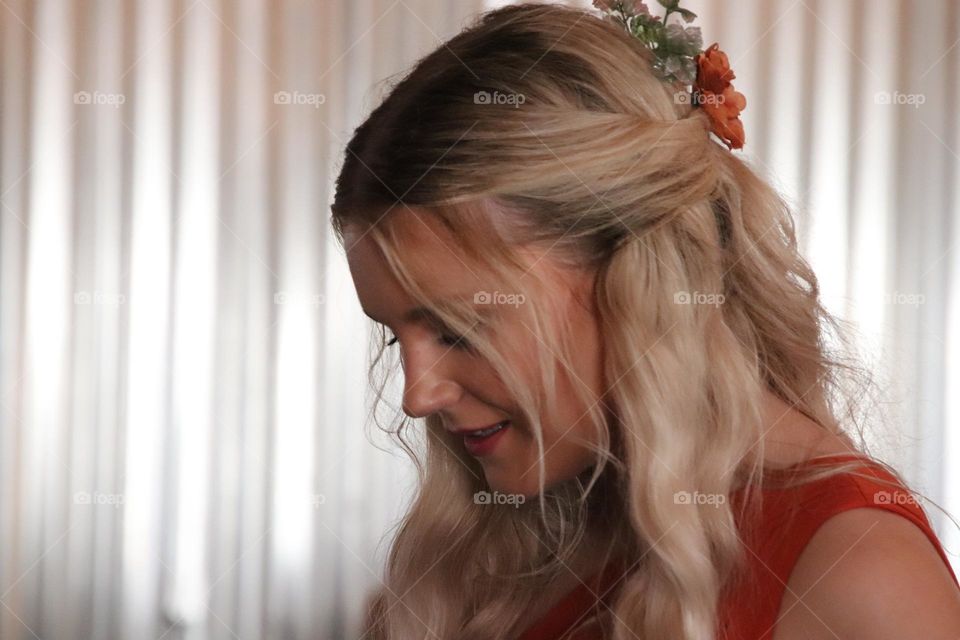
(450, 340)
(457, 342)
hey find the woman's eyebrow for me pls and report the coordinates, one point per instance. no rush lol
(414, 315)
(425, 314)
(418, 315)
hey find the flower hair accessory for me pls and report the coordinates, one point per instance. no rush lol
(679, 58)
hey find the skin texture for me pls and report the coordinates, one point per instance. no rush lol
(442, 378)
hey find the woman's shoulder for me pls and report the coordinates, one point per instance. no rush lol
(790, 513)
(803, 530)
(870, 573)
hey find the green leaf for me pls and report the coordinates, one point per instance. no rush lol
(688, 15)
(670, 5)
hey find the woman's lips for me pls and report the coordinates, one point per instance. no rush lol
(484, 444)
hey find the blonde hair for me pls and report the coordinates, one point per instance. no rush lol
(543, 126)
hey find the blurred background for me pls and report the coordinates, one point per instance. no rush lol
(182, 357)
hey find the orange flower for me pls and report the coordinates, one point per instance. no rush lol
(717, 97)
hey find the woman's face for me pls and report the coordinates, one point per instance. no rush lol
(441, 377)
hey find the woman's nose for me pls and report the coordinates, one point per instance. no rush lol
(426, 386)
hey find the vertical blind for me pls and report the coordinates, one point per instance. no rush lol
(184, 450)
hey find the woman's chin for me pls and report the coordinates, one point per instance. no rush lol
(499, 482)
(509, 483)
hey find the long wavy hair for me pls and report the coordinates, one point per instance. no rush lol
(543, 126)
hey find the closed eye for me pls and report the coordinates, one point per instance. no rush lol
(454, 341)
(449, 340)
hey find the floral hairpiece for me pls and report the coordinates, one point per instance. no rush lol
(679, 58)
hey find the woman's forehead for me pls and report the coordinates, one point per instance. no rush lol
(429, 254)
(440, 266)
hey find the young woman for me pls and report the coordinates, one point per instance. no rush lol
(632, 425)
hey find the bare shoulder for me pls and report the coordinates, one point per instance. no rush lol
(869, 573)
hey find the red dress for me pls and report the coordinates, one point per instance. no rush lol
(749, 609)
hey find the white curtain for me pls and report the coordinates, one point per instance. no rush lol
(183, 450)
